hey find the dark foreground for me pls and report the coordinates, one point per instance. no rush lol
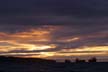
(17, 65)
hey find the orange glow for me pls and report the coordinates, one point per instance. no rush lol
(38, 47)
(39, 40)
(13, 44)
(86, 48)
(72, 39)
(85, 51)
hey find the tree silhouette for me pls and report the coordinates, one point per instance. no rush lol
(67, 61)
(78, 60)
(92, 59)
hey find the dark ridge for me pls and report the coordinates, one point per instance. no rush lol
(16, 64)
(24, 60)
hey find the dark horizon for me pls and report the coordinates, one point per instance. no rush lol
(27, 59)
(13, 64)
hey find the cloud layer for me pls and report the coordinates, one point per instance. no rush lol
(49, 41)
(51, 28)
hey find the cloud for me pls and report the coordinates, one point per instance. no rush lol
(49, 40)
(36, 26)
(71, 12)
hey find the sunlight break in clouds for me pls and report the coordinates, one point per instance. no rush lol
(52, 41)
(23, 40)
(101, 50)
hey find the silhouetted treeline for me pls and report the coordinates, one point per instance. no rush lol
(77, 60)
(39, 60)
(89, 60)
(24, 60)
(92, 60)
(80, 61)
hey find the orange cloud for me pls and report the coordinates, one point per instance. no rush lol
(20, 40)
(71, 39)
(32, 40)
(85, 51)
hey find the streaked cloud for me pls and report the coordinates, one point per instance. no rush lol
(48, 41)
(53, 28)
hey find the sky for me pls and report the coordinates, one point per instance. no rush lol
(54, 29)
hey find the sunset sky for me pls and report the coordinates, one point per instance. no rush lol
(54, 29)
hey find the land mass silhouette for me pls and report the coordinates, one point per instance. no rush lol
(16, 64)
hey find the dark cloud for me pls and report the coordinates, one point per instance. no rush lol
(71, 7)
(84, 19)
(33, 12)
